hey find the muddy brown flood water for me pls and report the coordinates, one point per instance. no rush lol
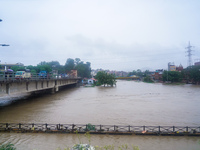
(129, 103)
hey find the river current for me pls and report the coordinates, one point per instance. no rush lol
(129, 103)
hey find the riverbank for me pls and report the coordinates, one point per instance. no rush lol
(6, 99)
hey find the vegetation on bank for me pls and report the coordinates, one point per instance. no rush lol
(148, 79)
(8, 146)
(188, 75)
(172, 76)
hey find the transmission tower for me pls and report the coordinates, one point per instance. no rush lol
(189, 51)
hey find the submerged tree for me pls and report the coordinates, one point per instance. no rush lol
(105, 78)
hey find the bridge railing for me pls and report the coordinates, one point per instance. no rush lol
(82, 128)
(11, 76)
(7, 76)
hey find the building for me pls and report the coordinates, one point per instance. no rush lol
(171, 66)
(73, 73)
(157, 75)
(91, 81)
(197, 62)
(179, 68)
(5, 67)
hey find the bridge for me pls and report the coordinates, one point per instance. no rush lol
(129, 78)
(10, 85)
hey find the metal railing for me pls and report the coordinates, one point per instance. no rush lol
(101, 129)
(4, 76)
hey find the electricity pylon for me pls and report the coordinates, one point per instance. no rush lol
(189, 51)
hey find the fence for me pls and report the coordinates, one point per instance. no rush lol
(100, 129)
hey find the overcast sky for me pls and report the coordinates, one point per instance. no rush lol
(111, 34)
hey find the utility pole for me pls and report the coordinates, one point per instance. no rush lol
(189, 51)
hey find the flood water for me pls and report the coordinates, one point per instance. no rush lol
(129, 103)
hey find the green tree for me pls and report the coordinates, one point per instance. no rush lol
(146, 73)
(77, 61)
(192, 74)
(56, 67)
(84, 70)
(69, 65)
(148, 79)
(42, 63)
(105, 78)
(101, 77)
(53, 64)
(33, 69)
(132, 73)
(139, 73)
(17, 68)
(111, 80)
(44, 67)
(173, 76)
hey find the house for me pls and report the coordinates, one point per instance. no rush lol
(91, 81)
(157, 75)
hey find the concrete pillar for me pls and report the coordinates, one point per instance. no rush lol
(27, 86)
(54, 89)
(8, 88)
(36, 85)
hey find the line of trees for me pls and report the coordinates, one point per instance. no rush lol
(189, 75)
(83, 69)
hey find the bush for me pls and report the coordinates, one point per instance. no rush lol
(148, 79)
(8, 146)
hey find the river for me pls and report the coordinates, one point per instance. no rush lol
(129, 103)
